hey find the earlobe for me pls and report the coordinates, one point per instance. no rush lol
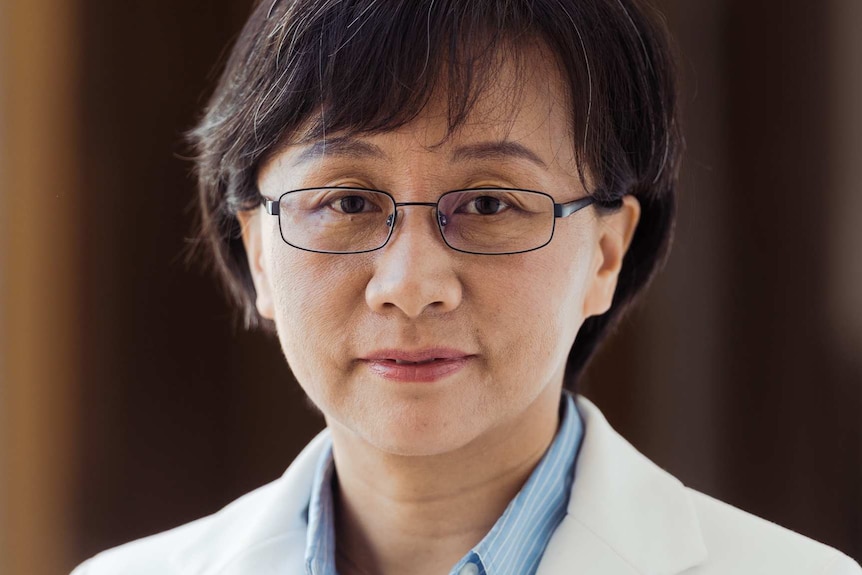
(252, 239)
(615, 234)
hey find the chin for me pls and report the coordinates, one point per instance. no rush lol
(416, 430)
(408, 445)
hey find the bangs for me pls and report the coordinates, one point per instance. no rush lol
(382, 70)
(367, 66)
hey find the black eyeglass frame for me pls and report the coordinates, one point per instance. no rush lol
(565, 210)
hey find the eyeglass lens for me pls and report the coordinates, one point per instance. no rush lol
(482, 221)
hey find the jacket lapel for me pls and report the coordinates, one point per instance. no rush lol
(626, 515)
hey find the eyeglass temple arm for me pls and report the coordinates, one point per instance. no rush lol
(567, 209)
(271, 206)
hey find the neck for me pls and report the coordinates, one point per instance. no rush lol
(418, 514)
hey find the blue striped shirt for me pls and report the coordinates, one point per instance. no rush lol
(513, 546)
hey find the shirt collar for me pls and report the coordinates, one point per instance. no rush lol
(320, 542)
(517, 540)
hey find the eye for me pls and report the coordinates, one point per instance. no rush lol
(483, 206)
(350, 204)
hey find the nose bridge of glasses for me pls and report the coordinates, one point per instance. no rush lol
(441, 219)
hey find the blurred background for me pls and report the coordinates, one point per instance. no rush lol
(131, 402)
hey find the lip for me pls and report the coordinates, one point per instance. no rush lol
(437, 363)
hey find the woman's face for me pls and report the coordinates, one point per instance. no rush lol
(506, 323)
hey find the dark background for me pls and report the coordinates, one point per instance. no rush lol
(131, 401)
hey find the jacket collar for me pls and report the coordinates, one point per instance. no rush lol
(625, 515)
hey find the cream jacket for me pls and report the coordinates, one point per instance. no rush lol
(626, 516)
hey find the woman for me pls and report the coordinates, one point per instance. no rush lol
(440, 207)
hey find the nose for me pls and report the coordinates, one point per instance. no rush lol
(414, 272)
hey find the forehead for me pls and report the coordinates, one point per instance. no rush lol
(522, 84)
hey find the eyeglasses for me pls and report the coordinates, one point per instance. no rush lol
(486, 221)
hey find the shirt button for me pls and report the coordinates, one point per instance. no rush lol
(469, 569)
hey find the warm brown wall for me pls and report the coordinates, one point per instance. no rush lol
(845, 205)
(792, 399)
(40, 209)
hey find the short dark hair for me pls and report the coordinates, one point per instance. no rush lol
(369, 66)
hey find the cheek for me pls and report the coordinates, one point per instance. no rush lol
(535, 301)
(316, 297)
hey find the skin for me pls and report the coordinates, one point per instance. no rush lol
(425, 469)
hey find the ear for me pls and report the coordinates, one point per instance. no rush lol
(614, 235)
(252, 239)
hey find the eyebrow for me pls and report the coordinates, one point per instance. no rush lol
(496, 151)
(341, 146)
(349, 147)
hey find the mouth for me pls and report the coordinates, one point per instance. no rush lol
(405, 362)
(417, 356)
(427, 365)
